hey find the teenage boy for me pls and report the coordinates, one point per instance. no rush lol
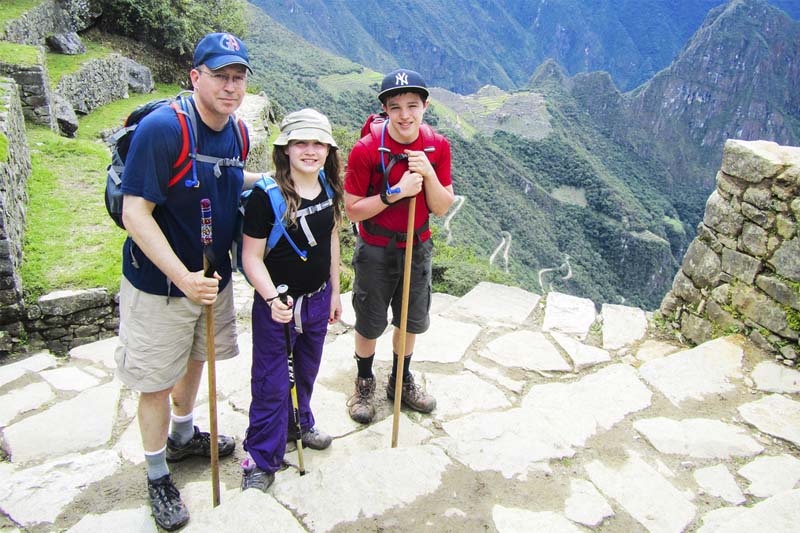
(382, 214)
(163, 290)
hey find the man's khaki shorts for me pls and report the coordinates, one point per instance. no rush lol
(159, 335)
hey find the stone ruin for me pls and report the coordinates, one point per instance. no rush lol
(742, 271)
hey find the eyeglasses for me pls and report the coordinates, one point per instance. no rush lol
(238, 80)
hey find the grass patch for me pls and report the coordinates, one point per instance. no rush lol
(13, 9)
(59, 65)
(339, 83)
(70, 242)
(19, 54)
(3, 148)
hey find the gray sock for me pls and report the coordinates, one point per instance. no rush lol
(182, 429)
(156, 464)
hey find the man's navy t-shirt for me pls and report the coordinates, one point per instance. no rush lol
(148, 169)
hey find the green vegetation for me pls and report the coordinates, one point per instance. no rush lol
(70, 242)
(59, 65)
(174, 26)
(3, 148)
(792, 318)
(12, 9)
(18, 54)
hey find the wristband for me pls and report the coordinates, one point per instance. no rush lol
(270, 300)
(385, 198)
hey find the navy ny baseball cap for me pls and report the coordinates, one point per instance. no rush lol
(400, 81)
(217, 50)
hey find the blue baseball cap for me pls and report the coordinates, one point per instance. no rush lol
(217, 50)
(400, 81)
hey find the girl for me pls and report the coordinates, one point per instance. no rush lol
(307, 173)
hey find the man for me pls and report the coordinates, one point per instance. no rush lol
(164, 290)
(382, 214)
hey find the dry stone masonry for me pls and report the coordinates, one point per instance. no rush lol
(15, 167)
(742, 272)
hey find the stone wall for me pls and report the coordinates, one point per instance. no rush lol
(61, 320)
(34, 90)
(15, 168)
(742, 272)
(51, 16)
(98, 82)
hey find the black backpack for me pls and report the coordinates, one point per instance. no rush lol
(120, 143)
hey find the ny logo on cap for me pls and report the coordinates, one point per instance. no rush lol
(230, 42)
(401, 78)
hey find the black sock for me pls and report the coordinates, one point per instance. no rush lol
(406, 367)
(365, 366)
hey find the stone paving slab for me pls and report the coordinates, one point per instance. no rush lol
(250, 511)
(365, 484)
(34, 363)
(771, 475)
(69, 378)
(553, 420)
(770, 376)
(529, 350)
(696, 373)
(654, 349)
(582, 355)
(776, 415)
(585, 505)
(779, 514)
(138, 520)
(464, 393)
(26, 399)
(39, 494)
(65, 427)
(717, 481)
(446, 341)
(101, 352)
(568, 314)
(622, 325)
(644, 493)
(491, 303)
(513, 520)
(698, 437)
(496, 375)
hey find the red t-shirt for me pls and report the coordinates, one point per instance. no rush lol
(363, 170)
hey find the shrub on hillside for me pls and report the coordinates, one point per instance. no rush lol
(174, 26)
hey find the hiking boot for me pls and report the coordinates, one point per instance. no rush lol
(199, 445)
(412, 395)
(255, 478)
(165, 501)
(316, 439)
(361, 403)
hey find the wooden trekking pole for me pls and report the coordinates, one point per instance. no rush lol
(283, 294)
(401, 354)
(208, 269)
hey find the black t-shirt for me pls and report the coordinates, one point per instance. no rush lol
(283, 263)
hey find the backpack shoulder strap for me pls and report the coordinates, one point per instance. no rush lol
(278, 203)
(188, 129)
(242, 136)
(325, 185)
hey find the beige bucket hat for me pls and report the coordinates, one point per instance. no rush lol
(305, 125)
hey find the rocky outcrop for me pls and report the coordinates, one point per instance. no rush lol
(742, 272)
(15, 168)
